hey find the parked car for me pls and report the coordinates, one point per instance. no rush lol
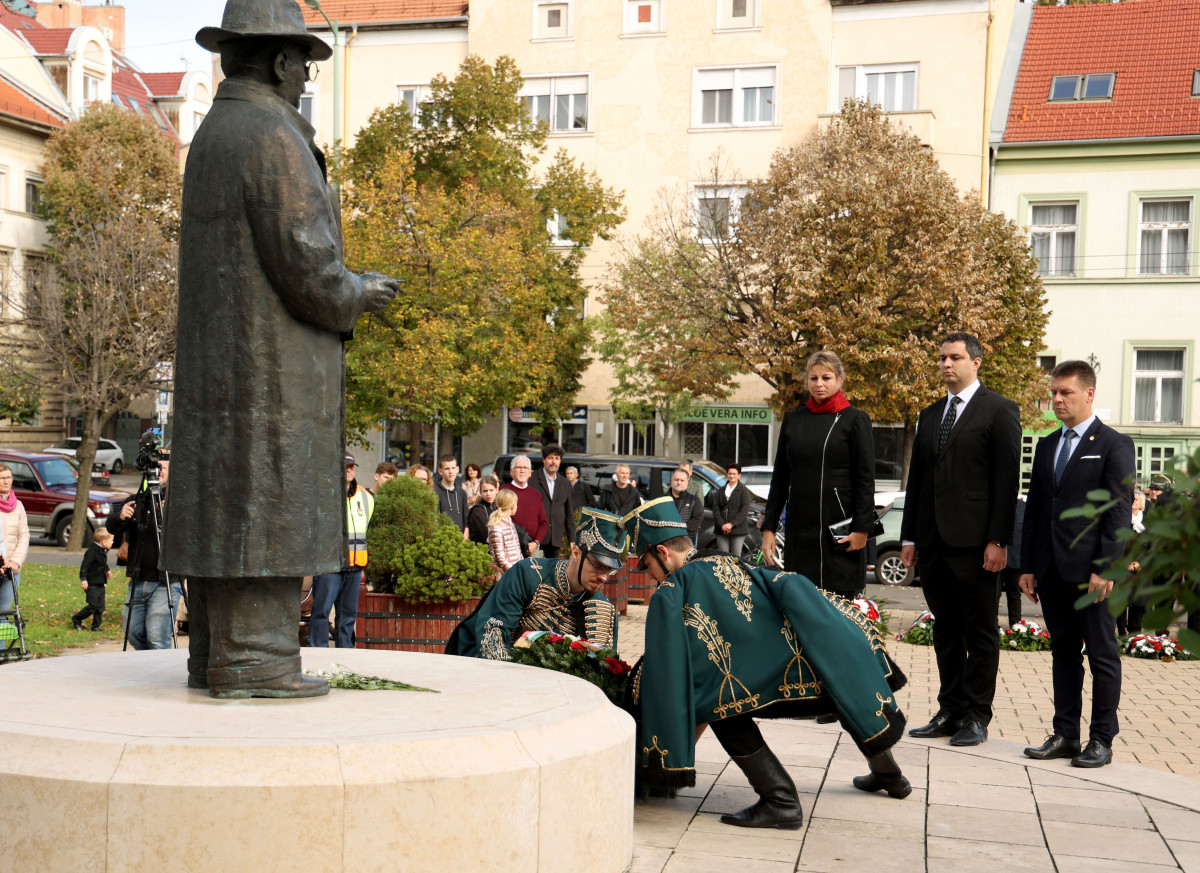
(758, 480)
(108, 453)
(45, 484)
(653, 480)
(889, 569)
(100, 474)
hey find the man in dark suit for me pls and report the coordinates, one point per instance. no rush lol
(958, 521)
(556, 498)
(1062, 557)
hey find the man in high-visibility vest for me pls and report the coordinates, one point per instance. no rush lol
(341, 588)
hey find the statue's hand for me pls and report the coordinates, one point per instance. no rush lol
(379, 290)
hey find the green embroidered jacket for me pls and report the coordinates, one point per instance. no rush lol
(726, 639)
(533, 595)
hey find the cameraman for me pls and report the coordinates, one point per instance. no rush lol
(148, 613)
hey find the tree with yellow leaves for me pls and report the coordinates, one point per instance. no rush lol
(490, 309)
(855, 241)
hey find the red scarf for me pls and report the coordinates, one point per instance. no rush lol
(836, 403)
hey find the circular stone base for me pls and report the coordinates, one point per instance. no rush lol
(108, 763)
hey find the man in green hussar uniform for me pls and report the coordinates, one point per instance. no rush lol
(727, 643)
(562, 597)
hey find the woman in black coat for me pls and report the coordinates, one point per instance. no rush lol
(824, 473)
(731, 512)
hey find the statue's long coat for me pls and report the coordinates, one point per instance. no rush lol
(257, 439)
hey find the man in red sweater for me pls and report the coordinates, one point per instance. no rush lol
(531, 514)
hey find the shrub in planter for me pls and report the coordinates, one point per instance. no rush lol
(406, 511)
(442, 568)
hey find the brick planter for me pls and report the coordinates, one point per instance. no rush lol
(386, 621)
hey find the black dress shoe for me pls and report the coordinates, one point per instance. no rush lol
(1094, 754)
(1056, 746)
(970, 733)
(941, 725)
(78, 625)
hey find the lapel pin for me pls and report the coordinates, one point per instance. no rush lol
(1091, 439)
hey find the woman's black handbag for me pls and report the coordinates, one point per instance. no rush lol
(841, 530)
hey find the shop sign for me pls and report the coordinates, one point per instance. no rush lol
(732, 415)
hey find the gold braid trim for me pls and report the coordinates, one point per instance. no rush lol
(492, 643)
(734, 579)
(599, 617)
(719, 653)
(789, 634)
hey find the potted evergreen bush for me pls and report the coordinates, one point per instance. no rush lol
(423, 577)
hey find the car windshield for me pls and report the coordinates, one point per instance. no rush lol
(68, 443)
(55, 473)
(756, 477)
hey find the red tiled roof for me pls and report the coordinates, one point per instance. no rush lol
(18, 23)
(13, 102)
(48, 40)
(163, 84)
(367, 11)
(1153, 46)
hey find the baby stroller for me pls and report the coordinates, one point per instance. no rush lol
(12, 630)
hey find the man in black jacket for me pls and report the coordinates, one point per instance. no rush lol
(958, 522)
(1061, 557)
(556, 499)
(691, 510)
(148, 616)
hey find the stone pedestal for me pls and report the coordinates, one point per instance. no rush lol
(108, 763)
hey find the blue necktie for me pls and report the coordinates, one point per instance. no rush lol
(1064, 455)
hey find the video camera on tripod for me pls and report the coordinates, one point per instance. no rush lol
(150, 456)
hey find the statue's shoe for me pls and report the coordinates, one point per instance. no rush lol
(292, 685)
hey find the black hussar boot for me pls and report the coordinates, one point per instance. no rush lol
(778, 803)
(885, 776)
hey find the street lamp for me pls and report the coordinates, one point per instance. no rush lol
(333, 26)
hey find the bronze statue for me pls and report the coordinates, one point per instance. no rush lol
(265, 303)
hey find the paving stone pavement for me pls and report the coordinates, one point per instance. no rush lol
(979, 809)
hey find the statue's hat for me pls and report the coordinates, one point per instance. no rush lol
(246, 19)
(599, 534)
(652, 523)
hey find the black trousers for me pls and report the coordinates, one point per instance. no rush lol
(1009, 586)
(1069, 630)
(95, 605)
(964, 600)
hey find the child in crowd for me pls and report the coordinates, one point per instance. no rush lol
(93, 576)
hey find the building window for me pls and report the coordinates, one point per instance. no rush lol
(1152, 457)
(737, 13)
(36, 270)
(1093, 86)
(1047, 362)
(551, 20)
(1053, 229)
(643, 16)
(735, 97)
(892, 87)
(1196, 83)
(197, 120)
(1158, 386)
(33, 195)
(556, 226)
(630, 442)
(91, 89)
(1164, 237)
(560, 102)
(717, 211)
(308, 107)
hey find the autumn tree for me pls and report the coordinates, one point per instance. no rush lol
(453, 203)
(103, 320)
(855, 241)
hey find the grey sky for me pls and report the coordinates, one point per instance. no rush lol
(160, 33)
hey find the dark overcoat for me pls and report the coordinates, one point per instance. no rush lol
(824, 473)
(265, 302)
